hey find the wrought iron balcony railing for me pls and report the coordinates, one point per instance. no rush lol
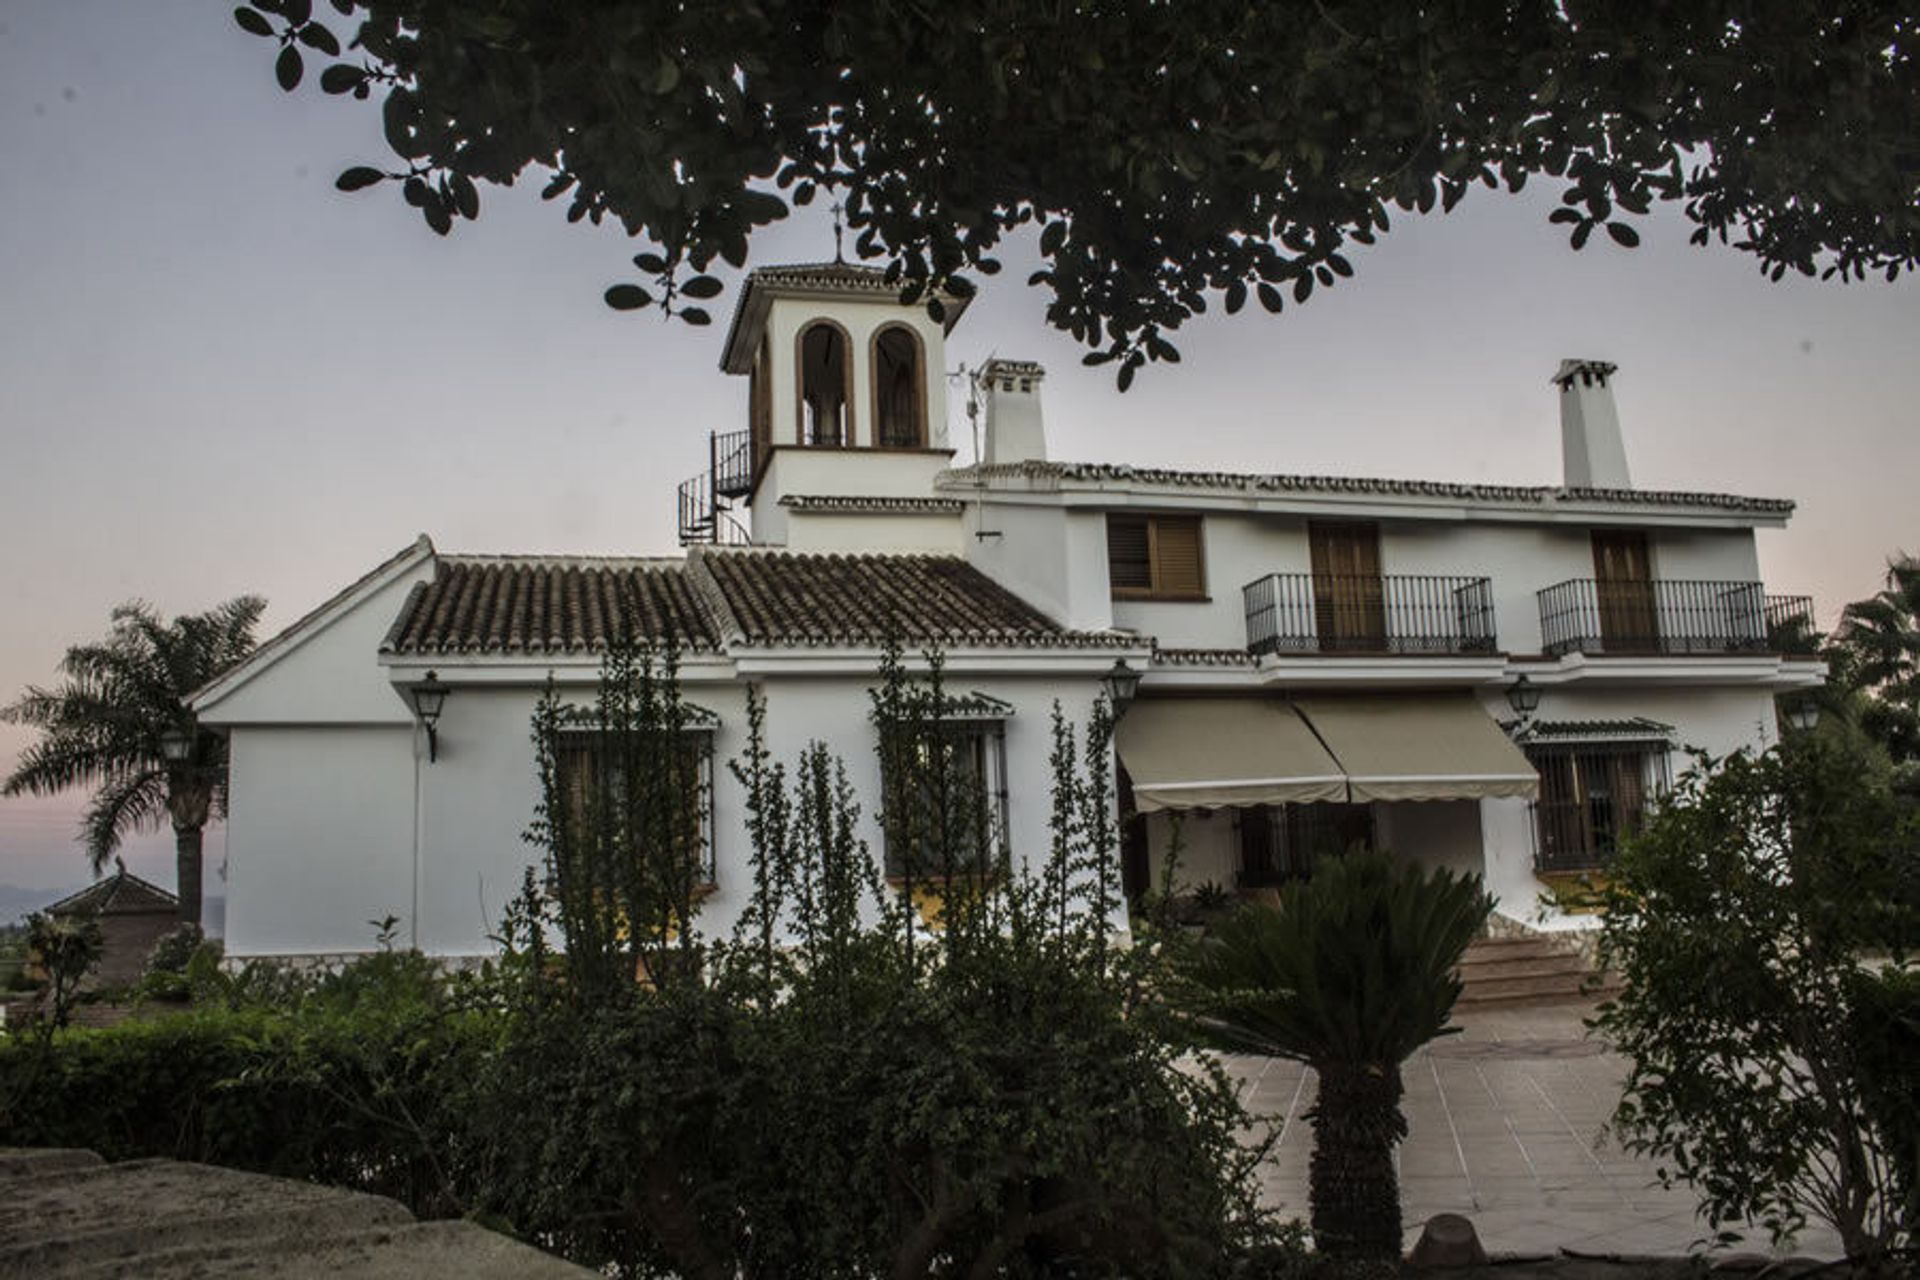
(1665, 615)
(1388, 613)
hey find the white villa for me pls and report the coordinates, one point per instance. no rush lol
(1492, 677)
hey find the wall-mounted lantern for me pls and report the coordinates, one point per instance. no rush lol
(1801, 714)
(429, 697)
(1524, 697)
(1121, 682)
(176, 745)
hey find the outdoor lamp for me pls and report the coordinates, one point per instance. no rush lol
(1802, 714)
(429, 696)
(176, 745)
(1121, 682)
(1524, 697)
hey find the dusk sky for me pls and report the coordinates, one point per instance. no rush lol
(220, 375)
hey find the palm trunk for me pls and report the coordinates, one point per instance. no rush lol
(1354, 1191)
(186, 855)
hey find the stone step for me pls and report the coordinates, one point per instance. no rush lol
(1543, 989)
(43, 1162)
(159, 1218)
(1504, 947)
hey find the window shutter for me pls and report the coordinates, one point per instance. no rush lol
(1129, 557)
(1177, 557)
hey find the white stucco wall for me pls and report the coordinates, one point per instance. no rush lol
(1520, 559)
(330, 676)
(322, 838)
(1054, 558)
(936, 533)
(319, 838)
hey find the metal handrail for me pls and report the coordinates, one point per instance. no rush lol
(1387, 613)
(1653, 615)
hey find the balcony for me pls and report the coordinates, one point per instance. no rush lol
(1391, 613)
(1669, 616)
(706, 501)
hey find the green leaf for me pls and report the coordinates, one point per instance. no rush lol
(317, 37)
(358, 177)
(1580, 234)
(287, 68)
(695, 315)
(651, 263)
(1270, 298)
(342, 78)
(1236, 297)
(466, 198)
(628, 297)
(1623, 235)
(701, 287)
(252, 22)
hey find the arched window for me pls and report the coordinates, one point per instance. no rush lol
(824, 387)
(899, 389)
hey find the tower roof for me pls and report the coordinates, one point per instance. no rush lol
(809, 280)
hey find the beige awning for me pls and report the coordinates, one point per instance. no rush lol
(1419, 747)
(1212, 753)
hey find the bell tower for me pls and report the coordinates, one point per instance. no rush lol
(846, 401)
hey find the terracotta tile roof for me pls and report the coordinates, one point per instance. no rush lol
(1203, 657)
(1636, 729)
(507, 604)
(855, 504)
(1254, 483)
(777, 597)
(120, 894)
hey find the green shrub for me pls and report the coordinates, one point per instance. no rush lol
(1885, 1027)
(362, 1093)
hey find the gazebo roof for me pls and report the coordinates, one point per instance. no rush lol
(120, 894)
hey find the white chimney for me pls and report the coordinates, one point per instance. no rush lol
(1590, 426)
(1015, 430)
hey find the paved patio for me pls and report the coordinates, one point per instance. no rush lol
(1506, 1125)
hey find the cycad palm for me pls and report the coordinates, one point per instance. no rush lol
(1351, 974)
(102, 728)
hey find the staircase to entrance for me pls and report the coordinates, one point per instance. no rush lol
(1528, 967)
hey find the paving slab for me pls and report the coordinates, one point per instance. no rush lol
(67, 1217)
(1507, 1124)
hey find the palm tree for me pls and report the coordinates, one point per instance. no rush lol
(1876, 650)
(1350, 974)
(103, 728)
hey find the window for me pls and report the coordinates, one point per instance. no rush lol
(1155, 558)
(899, 389)
(944, 801)
(825, 388)
(676, 794)
(1281, 843)
(1591, 794)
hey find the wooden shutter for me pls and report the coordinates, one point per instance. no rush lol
(1176, 557)
(1129, 555)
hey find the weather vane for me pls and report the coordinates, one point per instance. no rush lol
(837, 209)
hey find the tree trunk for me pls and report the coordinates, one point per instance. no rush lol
(1354, 1191)
(186, 857)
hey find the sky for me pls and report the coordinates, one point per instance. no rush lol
(220, 375)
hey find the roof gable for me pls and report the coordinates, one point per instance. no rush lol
(313, 623)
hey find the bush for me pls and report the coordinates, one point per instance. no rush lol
(837, 1090)
(359, 1083)
(1738, 921)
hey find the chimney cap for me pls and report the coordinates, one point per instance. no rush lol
(1588, 371)
(999, 367)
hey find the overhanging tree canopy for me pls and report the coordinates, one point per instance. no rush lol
(1168, 152)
